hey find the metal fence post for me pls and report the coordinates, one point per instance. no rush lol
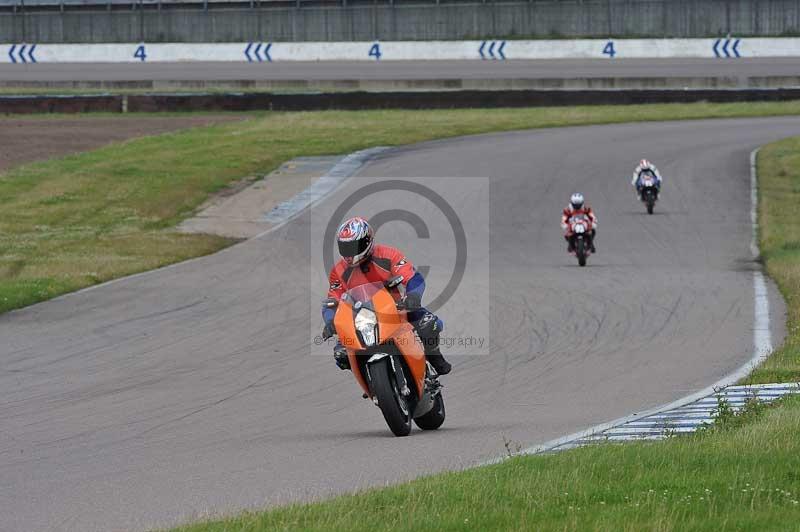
(141, 20)
(24, 25)
(797, 16)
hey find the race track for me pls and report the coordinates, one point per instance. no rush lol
(403, 70)
(163, 397)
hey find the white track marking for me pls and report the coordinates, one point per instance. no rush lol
(322, 187)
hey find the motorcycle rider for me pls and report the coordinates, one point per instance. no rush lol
(363, 261)
(576, 207)
(645, 166)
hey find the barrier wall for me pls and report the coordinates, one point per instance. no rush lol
(376, 100)
(265, 52)
(399, 21)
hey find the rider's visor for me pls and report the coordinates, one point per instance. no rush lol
(353, 248)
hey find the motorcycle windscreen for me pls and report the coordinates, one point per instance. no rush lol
(377, 298)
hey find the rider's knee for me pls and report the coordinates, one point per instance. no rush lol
(428, 326)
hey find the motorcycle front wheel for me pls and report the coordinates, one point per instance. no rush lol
(580, 251)
(394, 407)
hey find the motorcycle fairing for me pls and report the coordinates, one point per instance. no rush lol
(394, 331)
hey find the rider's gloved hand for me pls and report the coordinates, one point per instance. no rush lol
(340, 356)
(328, 331)
(412, 301)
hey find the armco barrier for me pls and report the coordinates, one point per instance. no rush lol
(60, 104)
(378, 100)
(441, 99)
(407, 85)
(261, 53)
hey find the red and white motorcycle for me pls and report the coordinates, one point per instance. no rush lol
(579, 232)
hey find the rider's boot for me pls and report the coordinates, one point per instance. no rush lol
(428, 330)
(591, 243)
(570, 245)
(438, 362)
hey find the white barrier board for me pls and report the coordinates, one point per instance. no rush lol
(255, 52)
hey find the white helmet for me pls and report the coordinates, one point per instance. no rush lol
(576, 200)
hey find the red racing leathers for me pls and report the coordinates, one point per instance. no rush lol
(385, 263)
(569, 212)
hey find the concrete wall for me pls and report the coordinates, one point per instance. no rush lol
(399, 21)
(724, 49)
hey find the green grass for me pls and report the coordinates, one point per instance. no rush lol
(742, 473)
(745, 477)
(87, 218)
(779, 186)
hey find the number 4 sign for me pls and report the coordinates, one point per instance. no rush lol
(139, 53)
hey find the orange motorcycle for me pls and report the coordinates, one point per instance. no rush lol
(387, 357)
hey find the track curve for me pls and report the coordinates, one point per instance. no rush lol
(163, 397)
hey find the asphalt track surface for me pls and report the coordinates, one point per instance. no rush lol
(189, 390)
(402, 70)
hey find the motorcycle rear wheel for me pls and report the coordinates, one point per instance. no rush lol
(397, 415)
(433, 419)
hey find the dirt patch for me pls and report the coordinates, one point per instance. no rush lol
(35, 139)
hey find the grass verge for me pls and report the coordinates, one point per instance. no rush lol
(87, 218)
(779, 236)
(741, 474)
(746, 477)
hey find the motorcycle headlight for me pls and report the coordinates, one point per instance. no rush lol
(367, 326)
(580, 229)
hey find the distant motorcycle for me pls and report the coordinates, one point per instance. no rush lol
(580, 235)
(648, 188)
(387, 358)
